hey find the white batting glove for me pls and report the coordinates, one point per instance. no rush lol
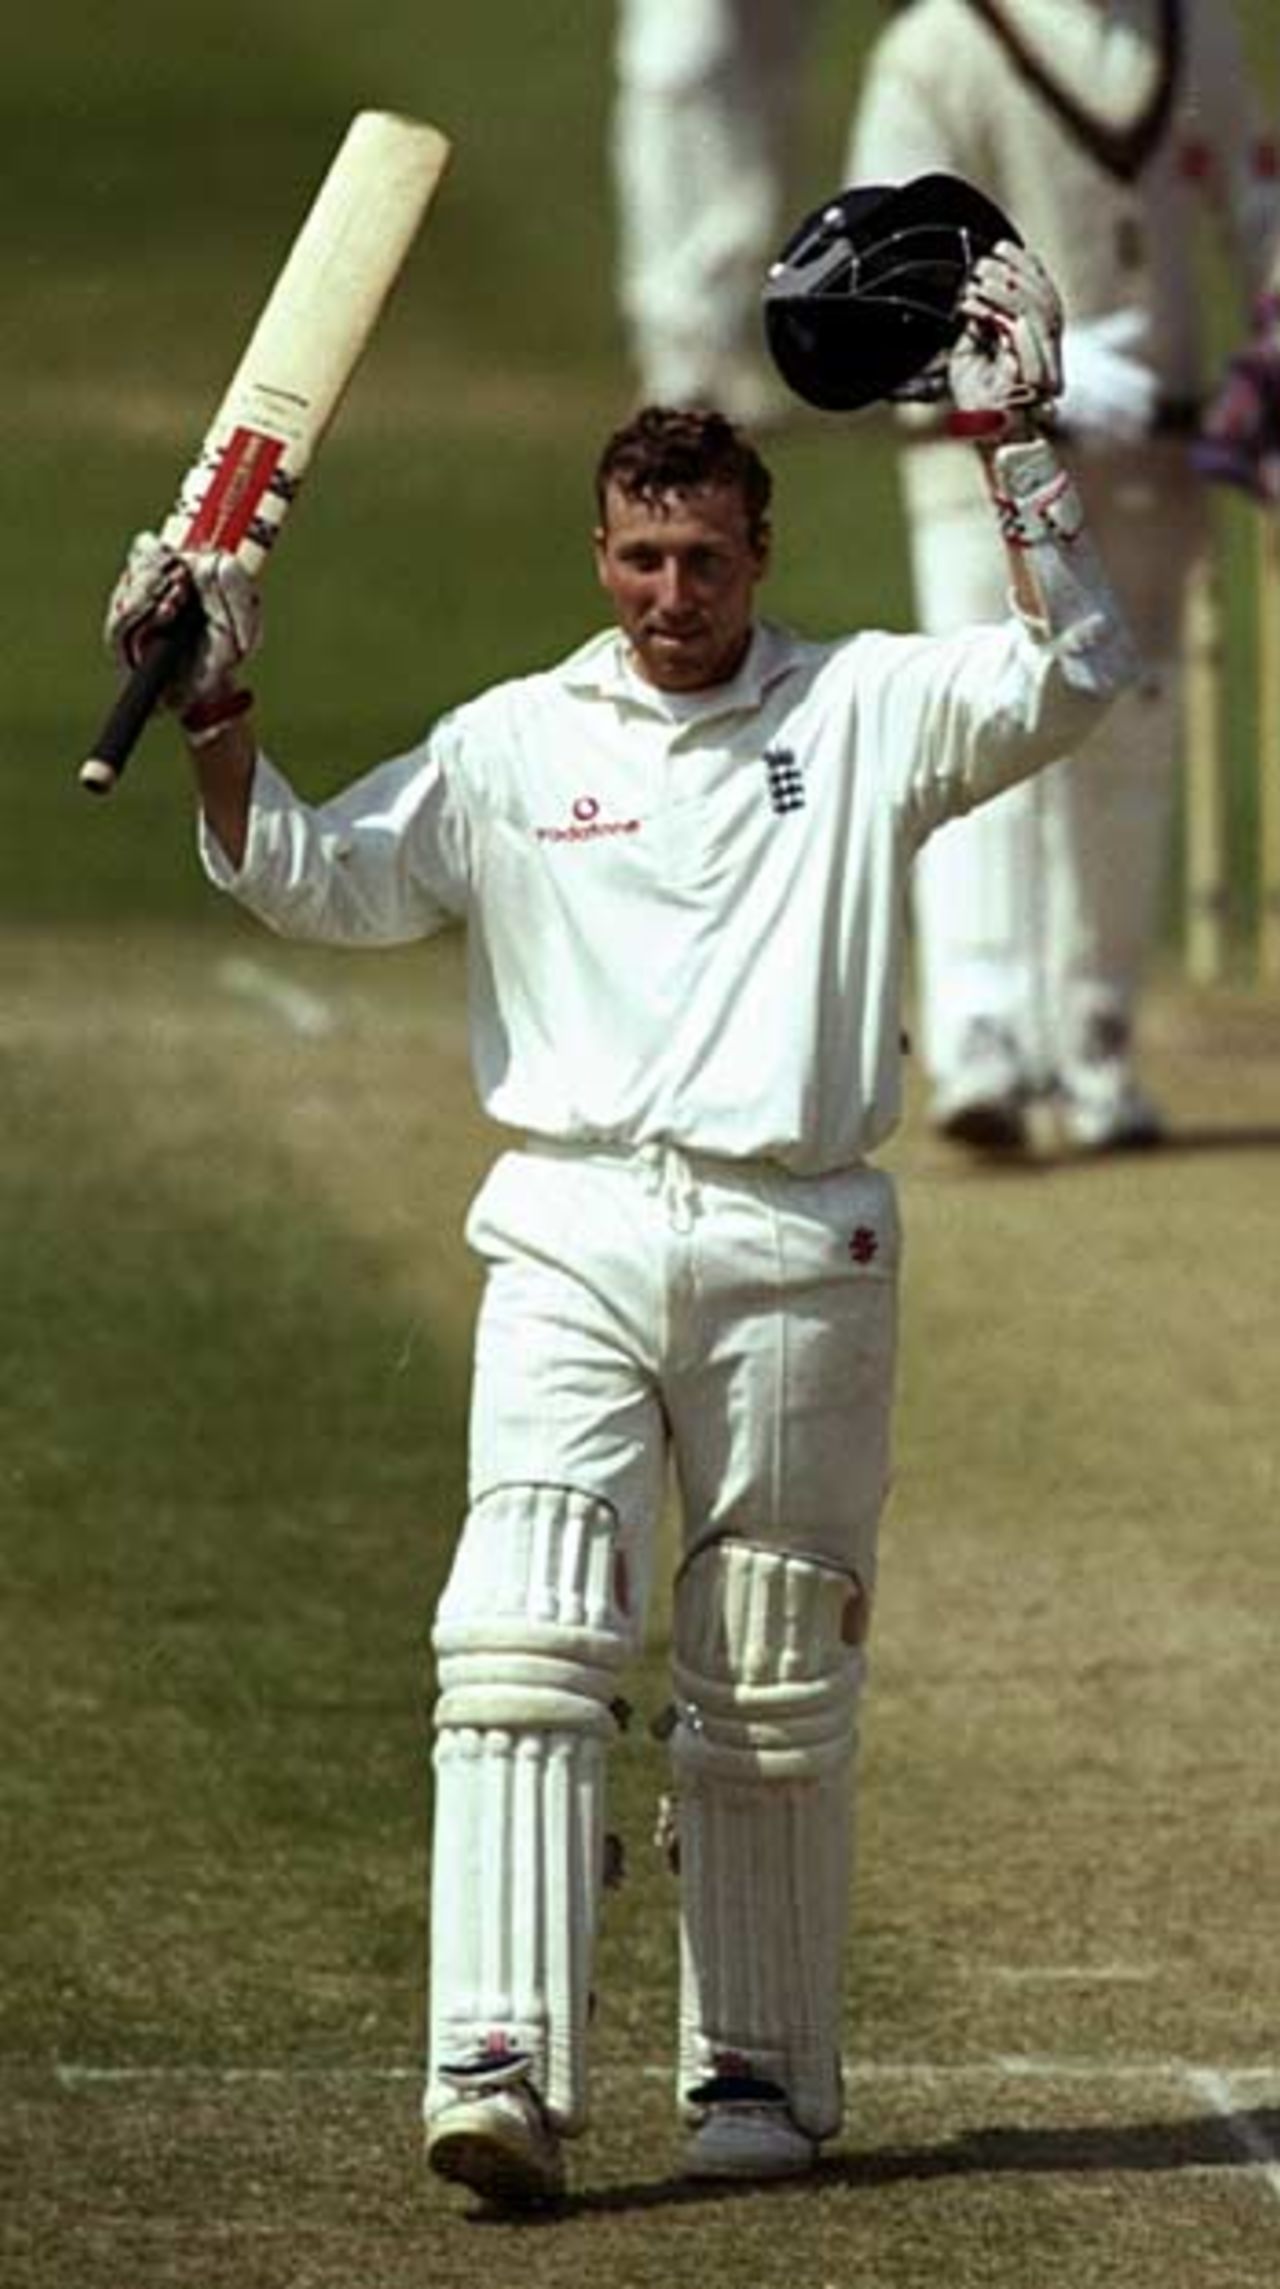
(1008, 359)
(1110, 393)
(153, 587)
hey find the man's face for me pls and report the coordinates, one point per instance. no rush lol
(681, 570)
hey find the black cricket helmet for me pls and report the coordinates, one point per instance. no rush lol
(861, 302)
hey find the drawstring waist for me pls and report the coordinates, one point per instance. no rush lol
(670, 1173)
(666, 1175)
(665, 1171)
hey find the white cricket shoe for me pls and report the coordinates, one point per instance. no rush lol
(983, 1102)
(749, 2139)
(493, 2135)
(1103, 1108)
(1121, 1119)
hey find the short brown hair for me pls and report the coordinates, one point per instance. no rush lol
(665, 449)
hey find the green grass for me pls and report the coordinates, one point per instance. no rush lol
(229, 1458)
(231, 1414)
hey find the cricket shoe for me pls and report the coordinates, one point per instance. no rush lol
(1102, 1107)
(1125, 1120)
(492, 2134)
(984, 1103)
(746, 2132)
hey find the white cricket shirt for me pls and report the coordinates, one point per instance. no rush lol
(684, 914)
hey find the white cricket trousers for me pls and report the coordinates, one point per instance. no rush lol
(706, 95)
(647, 1306)
(644, 1305)
(1036, 912)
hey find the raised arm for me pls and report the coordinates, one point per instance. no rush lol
(383, 861)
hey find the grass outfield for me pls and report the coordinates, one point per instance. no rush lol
(234, 1311)
(231, 1418)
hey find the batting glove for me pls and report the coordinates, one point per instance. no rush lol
(1007, 363)
(152, 589)
(1110, 394)
(1239, 439)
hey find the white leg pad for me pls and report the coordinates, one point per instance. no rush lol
(529, 1637)
(767, 1674)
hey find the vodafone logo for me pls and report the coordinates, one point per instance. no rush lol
(585, 824)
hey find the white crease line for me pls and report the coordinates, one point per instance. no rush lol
(1069, 1974)
(1028, 2067)
(1215, 2083)
(73, 2076)
(1219, 2086)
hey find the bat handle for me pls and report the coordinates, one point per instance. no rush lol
(160, 664)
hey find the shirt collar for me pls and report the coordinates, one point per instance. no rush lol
(602, 669)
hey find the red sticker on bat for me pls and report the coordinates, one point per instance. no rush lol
(241, 475)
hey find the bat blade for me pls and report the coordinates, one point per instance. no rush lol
(306, 343)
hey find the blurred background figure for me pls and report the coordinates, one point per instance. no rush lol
(1098, 125)
(706, 96)
(1239, 440)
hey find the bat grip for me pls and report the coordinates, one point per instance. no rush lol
(161, 664)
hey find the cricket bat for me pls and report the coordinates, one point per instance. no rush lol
(300, 356)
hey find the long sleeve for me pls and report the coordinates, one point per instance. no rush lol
(385, 861)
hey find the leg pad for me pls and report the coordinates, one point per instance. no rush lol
(529, 1638)
(768, 1668)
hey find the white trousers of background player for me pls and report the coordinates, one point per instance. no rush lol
(705, 99)
(1035, 915)
(641, 1307)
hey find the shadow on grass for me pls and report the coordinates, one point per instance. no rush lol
(1217, 2141)
(1193, 1142)
(1176, 1144)
(1214, 2141)
(1260, 1136)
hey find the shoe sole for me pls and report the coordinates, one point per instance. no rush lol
(741, 2149)
(473, 2158)
(748, 2172)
